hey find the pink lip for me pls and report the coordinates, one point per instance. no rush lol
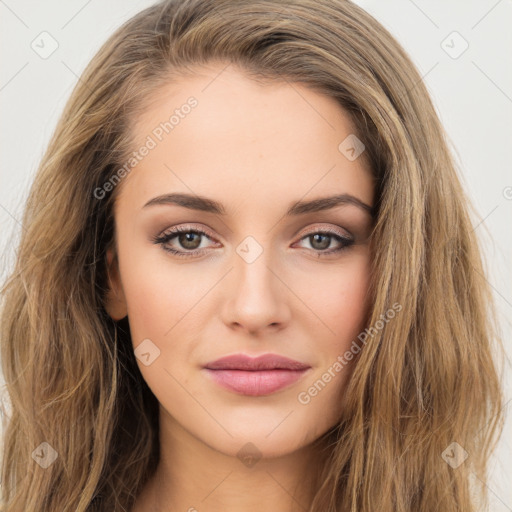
(255, 376)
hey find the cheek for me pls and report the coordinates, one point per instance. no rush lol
(159, 295)
(162, 308)
(165, 306)
(350, 301)
(339, 297)
(343, 310)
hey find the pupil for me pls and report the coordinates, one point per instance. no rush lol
(325, 243)
(187, 240)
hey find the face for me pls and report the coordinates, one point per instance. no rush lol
(255, 270)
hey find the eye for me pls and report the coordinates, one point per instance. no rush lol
(190, 239)
(321, 240)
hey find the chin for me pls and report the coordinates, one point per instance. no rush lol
(258, 443)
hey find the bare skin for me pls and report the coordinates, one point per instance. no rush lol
(257, 149)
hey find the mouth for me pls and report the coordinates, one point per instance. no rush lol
(259, 376)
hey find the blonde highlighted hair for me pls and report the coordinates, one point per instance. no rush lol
(427, 379)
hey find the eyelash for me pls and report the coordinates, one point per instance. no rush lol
(166, 237)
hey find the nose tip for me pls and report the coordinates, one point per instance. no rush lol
(258, 300)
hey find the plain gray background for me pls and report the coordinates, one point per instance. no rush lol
(471, 88)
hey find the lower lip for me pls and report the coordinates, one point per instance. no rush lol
(255, 383)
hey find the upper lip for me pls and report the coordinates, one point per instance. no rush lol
(264, 362)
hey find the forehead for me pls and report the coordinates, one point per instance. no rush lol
(219, 130)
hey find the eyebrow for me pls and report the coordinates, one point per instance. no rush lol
(204, 204)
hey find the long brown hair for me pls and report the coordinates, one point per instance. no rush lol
(424, 381)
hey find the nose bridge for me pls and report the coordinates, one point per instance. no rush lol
(253, 264)
(257, 295)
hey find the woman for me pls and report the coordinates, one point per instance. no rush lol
(248, 279)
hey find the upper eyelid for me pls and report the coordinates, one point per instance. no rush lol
(186, 228)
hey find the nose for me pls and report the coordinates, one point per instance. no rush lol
(257, 297)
